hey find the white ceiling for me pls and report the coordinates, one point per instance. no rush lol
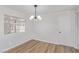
(41, 9)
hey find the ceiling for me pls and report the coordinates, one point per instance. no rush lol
(41, 9)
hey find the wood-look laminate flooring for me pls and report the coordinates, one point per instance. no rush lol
(35, 46)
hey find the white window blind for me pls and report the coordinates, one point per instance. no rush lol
(13, 24)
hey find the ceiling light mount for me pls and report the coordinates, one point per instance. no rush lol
(35, 5)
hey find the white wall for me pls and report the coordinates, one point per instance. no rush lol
(77, 27)
(11, 40)
(48, 29)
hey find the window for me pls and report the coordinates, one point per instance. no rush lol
(13, 24)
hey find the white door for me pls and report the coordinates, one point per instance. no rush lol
(66, 28)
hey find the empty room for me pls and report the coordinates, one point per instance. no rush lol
(39, 28)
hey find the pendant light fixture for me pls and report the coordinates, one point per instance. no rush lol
(35, 17)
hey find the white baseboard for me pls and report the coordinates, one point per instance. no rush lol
(14, 46)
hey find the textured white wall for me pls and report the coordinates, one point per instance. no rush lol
(48, 29)
(11, 40)
(77, 27)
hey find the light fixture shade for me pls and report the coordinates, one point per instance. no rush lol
(31, 17)
(39, 18)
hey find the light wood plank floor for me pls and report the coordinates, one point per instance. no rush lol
(35, 46)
